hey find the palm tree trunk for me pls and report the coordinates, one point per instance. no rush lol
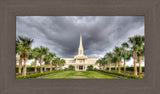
(104, 67)
(100, 67)
(60, 67)
(56, 67)
(135, 61)
(139, 60)
(109, 66)
(116, 66)
(35, 68)
(119, 66)
(45, 66)
(41, 67)
(25, 65)
(20, 64)
(50, 65)
(124, 65)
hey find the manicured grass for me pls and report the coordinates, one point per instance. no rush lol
(78, 75)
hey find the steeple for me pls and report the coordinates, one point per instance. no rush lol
(80, 49)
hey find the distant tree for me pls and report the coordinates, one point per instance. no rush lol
(42, 51)
(126, 54)
(32, 63)
(109, 57)
(90, 68)
(100, 62)
(118, 54)
(46, 62)
(62, 62)
(51, 56)
(35, 55)
(56, 62)
(104, 63)
(71, 68)
(114, 60)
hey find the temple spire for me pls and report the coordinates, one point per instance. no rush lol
(80, 49)
(80, 43)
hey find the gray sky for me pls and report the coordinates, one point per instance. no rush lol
(61, 33)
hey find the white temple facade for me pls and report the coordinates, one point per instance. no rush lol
(81, 61)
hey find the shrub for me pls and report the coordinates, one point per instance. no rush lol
(65, 69)
(124, 74)
(95, 69)
(35, 75)
(90, 68)
(71, 68)
(31, 69)
(129, 68)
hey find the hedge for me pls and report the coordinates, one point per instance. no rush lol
(71, 68)
(90, 68)
(123, 74)
(35, 75)
(129, 68)
(31, 69)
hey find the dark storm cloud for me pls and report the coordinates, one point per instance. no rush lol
(61, 33)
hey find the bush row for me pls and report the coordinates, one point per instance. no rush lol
(71, 68)
(129, 69)
(90, 68)
(35, 75)
(124, 74)
(30, 69)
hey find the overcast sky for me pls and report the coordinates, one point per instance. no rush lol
(61, 33)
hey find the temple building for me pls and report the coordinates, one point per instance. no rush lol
(81, 61)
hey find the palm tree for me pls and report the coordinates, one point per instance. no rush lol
(140, 54)
(109, 57)
(104, 63)
(118, 54)
(51, 56)
(62, 62)
(42, 51)
(114, 60)
(25, 48)
(56, 62)
(46, 61)
(35, 55)
(100, 62)
(135, 42)
(19, 52)
(126, 54)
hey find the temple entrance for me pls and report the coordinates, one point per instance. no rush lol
(80, 67)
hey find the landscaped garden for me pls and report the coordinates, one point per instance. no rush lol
(59, 74)
(50, 66)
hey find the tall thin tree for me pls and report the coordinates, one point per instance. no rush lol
(109, 57)
(118, 53)
(135, 42)
(42, 51)
(25, 46)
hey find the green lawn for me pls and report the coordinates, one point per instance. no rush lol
(78, 75)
